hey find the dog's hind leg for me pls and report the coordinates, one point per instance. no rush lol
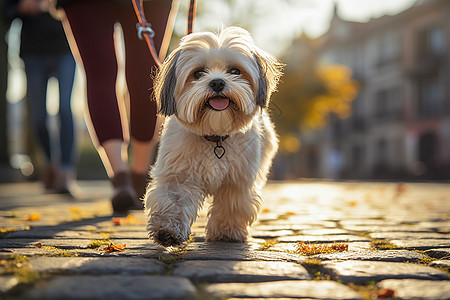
(234, 208)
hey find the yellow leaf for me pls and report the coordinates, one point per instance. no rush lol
(32, 217)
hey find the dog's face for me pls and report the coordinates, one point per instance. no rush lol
(215, 84)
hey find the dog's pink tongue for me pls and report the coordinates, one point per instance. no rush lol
(219, 103)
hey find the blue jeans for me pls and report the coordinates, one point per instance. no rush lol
(38, 70)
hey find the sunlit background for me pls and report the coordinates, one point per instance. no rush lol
(365, 93)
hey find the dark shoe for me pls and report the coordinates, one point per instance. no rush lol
(49, 176)
(64, 183)
(124, 197)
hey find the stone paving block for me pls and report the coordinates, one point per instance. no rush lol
(108, 227)
(98, 265)
(439, 253)
(235, 252)
(326, 231)
(130, 234)
(377, 255)
(302, 221)
(422, 244)
(294, 227)
(240, 271)
(368, 222)
(57, 242)
(284, 289)
(7, 282)
(442, 226)
(114, 287)
(270, 234)
(409, 235)
(360, 272)
(417, 289)
(324, 238)
(33, 251)
(64, 243)
(27, 247)
(45, 233)
(291, 247)
(386, 228)
(443, 263)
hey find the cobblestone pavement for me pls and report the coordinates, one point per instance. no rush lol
(373, 240)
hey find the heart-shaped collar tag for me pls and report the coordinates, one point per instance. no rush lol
(219, 151)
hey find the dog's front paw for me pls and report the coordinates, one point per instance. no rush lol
(167, 231)
(166, 238)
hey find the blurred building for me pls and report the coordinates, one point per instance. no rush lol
(400, 126)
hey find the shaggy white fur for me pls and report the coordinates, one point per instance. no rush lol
(205, 66)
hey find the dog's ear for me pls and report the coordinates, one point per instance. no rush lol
(261, 93)
(165, 84)
(270, 70)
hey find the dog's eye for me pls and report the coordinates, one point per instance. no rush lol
(234, 71)
(199, 73)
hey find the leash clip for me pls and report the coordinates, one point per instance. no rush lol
(144, 29)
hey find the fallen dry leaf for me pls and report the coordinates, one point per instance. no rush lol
(118, 221)
(127, 220)
(132, 220)
(38, 245)
(32, 217)
(115, 248)
(352, 203)
(385, 293)
(74, 209)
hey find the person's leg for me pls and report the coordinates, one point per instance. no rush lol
(37, 77)
(36, 70)
(139, 66)
(65, 73)
(92, 26)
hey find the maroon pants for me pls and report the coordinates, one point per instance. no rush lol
(92, 24)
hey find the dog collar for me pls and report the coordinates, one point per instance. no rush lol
(219, 150)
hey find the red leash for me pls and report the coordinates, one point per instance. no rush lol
(146, 32)
(191, 16)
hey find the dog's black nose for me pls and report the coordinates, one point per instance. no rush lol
(217, 85)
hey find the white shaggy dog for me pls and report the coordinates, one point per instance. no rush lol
(218, 140)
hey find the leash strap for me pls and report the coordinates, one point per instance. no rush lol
(191, 16)
(145, 31)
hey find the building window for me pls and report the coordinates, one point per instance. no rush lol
(429, 98)
(431, 43)
(382, 154)
(357, 120)
(388, 49)
(357, 160)
(388, 105)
